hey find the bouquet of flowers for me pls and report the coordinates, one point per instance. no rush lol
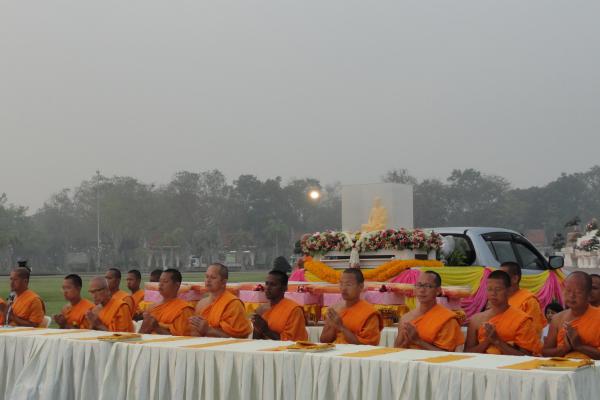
(590, 244)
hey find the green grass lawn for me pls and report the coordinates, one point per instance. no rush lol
(49, 287)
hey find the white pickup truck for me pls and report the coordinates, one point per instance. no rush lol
(491, 247)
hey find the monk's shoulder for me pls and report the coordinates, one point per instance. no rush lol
(409, 316)
(202, 304)
(479, 319)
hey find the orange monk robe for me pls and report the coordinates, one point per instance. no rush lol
(174, 315)
(514, 327)
(137, 298)
(588, 328)
(28, 305)
(122, 295)
(115, 316)
(75, 314)
(228, 314)
(287, 319)
(526, 301)
(363, 321)
(440, 328)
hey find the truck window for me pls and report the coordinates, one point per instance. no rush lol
(502, 250)
(529, 259)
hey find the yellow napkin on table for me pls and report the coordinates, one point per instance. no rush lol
(443, 359)
(372, 353)
(219, 343)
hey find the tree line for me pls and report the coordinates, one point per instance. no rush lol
(202, 214)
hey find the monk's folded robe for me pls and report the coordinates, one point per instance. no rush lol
(115, 316)
(439, 327)
(588, 328)
(363, 321)
(137, 298)
(228, 314)
(126, 298)
(29, 306)
(75, 314)
(526, 301)
(287, 319)
(174, 315)
(515, 328)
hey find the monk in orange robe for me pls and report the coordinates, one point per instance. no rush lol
(502, 329)
(352, 320)
(110, 313)
(429, 326)
(134, 280)
(220, 314)
(27, 309)
(113, 277)
(171, 316)
(72, 315)
(281, 319)
(575, 332)
(523, 299)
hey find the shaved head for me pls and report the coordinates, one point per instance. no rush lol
(22, 272)
(222, 270)
(581, 279)
(99, 282)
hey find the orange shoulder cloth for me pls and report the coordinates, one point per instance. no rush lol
(167, 313)
(429, 324)
(355, 317)
(212, 313)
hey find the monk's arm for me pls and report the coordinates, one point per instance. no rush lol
(509, 350)
(471, 345)
(589, 351)
(551, 348)
(329, 334)
(23, 322)
(349, 335)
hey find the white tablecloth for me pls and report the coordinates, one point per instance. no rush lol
(61, 367)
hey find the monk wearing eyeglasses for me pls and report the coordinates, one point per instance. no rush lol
(429, 326)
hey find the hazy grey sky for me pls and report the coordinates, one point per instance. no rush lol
(338, 90)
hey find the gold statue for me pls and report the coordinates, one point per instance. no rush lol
(378, 217)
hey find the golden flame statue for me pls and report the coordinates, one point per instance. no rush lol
(378, 217)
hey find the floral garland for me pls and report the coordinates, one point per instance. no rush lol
(389, 239)
(589, 245)
(382, 273)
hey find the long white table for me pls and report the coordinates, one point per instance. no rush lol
(53, 364)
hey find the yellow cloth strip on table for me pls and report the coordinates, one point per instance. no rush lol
(65, 332)
(551, 362)
(443, 359)
(372, 353)
(161, 340)
(18, 330)
(278, 348)
(219, 343)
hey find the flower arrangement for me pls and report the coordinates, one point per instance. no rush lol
(322, 242)
(590, 244)
(389, 239)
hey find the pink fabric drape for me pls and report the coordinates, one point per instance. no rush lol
(297, 276)
(474, 304)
